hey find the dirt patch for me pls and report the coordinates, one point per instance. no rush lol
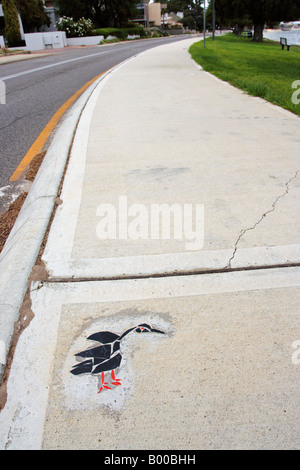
(34, 166)
(8, 218)
(7, 53)
(26, 315)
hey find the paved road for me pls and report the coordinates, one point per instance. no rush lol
(36, 89)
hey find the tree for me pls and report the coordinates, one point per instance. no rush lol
(101, 12)
(258, 11)
(33, 14)
(173, 6)
(227, 16)
(188, 22)
(118, 13)
(12, 25)
(192, 12)
(75, 9)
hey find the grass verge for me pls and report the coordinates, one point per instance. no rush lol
(4, 51)
(260, 69)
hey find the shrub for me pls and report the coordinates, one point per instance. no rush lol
(120, 33)
(12, 25)
(80, 28)
(136, 30)
(156, 32)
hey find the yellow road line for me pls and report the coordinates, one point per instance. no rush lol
(38, 145)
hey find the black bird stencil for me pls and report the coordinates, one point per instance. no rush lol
(107, 356)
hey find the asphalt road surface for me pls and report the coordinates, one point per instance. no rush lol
(37, 88)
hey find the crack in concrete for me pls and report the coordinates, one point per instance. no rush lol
(243, 231)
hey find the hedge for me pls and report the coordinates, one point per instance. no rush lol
(120, 33)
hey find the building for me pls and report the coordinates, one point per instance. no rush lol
(172, 19)
(154, 13)
(51, 11)
(141, 17)
(149, 14)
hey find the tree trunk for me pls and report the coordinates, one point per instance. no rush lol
(237, 30)
(258, 32)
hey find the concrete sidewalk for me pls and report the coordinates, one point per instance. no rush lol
(225, 373)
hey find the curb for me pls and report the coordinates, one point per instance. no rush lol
(25, 240)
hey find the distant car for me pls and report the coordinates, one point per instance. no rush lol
(286, 26)
(247, 34)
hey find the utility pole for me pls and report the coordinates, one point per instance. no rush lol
(163, 10)
(213, 20)
(204, 23)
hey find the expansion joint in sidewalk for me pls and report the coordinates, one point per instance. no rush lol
(66, 280)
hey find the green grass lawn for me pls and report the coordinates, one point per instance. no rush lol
(260, 69)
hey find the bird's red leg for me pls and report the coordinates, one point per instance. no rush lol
(103, 384)
(115, 381)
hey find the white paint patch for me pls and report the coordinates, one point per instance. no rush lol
(12, 192)
(81, 392)
(2, 352)
(3, 190)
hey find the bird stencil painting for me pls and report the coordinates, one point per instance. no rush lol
(106, 357)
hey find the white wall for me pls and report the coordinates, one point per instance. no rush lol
(40, 41)
(86, 41)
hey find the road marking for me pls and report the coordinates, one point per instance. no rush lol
(25, 72)
(38, 69)
(38, 145)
